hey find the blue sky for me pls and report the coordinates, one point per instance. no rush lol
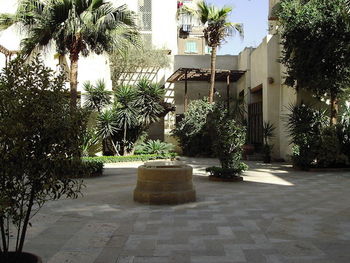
(253, 14)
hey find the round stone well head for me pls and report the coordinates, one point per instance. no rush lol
(164, 182)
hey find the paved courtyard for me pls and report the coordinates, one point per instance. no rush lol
(276, 215)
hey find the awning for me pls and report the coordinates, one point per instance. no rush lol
(200, 74)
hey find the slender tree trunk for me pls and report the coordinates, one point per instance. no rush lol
(26, 220)
(73, 74)
(3, 235)
(334, 109)
(73, 82)
(212, 75)
(124, 143)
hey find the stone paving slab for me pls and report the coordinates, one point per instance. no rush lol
(277, 215)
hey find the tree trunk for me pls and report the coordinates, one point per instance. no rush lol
(73, 82)
(26, 220)
(212, 74)
(334, 109)
(73, 74)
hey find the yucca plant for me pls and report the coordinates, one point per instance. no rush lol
(97, 96)
(91, 143)
(148, 98)
(106, 128)
(126, 112)
(268, 134)
(155, 147)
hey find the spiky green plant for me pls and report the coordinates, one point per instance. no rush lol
(155, 147)
(96, 97)
(148, 97)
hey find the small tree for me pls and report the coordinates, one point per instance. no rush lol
(216, 29)
(131, 62)
(39, 139)
(192, 131)
(316, 40)
(230, 137)
(77, 27)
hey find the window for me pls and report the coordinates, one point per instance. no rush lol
(191, 47)
(207, 50)
(145, 15)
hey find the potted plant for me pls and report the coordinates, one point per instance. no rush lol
(268, 134)
(228, 146)
(39, 149)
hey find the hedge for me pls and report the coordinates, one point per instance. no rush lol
(131, 158)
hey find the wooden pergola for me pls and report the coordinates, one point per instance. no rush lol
(201, 74)
(8, 53)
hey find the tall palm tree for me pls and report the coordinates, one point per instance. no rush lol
(75, 27)
(216, 29)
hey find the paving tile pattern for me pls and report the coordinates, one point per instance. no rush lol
(276, 215)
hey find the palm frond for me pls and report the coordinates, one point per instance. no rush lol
(96, 97)
(6, 20)
(107, 125)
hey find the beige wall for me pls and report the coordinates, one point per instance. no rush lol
(198, 90)
(203, 61)
(262, 68)
(200, 45)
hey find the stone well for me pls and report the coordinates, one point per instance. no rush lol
(164, 183)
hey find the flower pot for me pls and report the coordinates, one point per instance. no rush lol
(248, 149)
(219, 174)
(22, 257)
(267, 159)
(221, 179)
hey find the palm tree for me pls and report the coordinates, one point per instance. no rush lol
(75, 27)
(217, 28)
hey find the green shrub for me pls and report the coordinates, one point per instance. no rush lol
(192, 131)
(328, 152)
(91, 168)
(131, 158)
(226, 172)
(154, 147)
(305, 125)
(229, 138)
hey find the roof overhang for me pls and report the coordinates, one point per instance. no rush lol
(200, 74)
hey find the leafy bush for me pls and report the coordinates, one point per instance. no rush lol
(91, 168)
(315, 143)
(154, 147)
(39, 144)
(229, 138)
(130, 158)
(192, 131)
(329, 151)
(305, 125)
(226, 172)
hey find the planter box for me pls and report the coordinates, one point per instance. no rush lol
(220, 179)
(24, 257)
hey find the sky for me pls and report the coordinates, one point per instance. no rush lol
(253, 14)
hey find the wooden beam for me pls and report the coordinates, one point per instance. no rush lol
(228, 90)
(185, 96)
